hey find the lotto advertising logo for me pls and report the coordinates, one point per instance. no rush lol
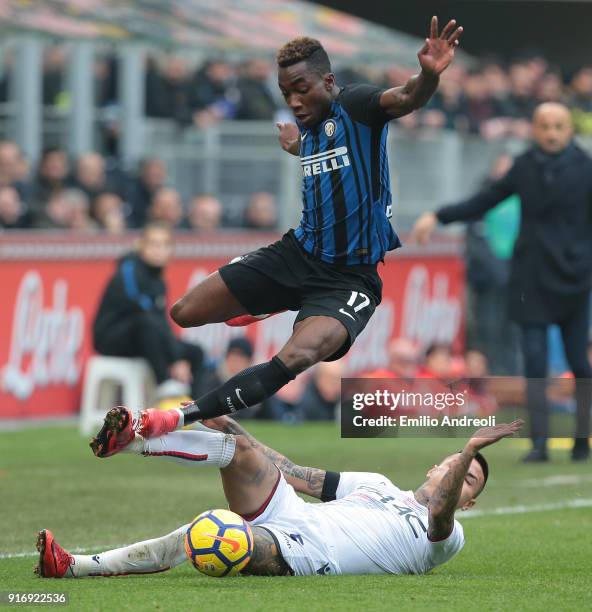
(45, 341)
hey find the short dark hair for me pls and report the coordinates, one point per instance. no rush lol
(304, 49)
(240, 345)
(484, 466)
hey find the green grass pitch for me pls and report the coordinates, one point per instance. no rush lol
(529, 548)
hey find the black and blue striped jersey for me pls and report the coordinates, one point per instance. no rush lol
(346, 186)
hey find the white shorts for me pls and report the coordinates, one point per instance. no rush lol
(308, 541)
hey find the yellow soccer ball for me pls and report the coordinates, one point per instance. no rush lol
(219, 543)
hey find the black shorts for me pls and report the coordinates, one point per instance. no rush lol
(283, 276)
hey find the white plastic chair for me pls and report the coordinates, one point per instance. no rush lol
(103, 377)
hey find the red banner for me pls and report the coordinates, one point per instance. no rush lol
(50, 301)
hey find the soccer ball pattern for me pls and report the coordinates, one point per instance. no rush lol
(219, 543)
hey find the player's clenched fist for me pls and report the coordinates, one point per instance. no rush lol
(289, 137)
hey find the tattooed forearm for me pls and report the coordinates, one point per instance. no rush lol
(304, 479)
(442, 503)
(402, 100)
(266, 559)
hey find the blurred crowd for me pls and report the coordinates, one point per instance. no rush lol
(84, 195)
(493, 99)
(315, 395)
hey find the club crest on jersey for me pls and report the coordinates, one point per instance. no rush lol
(330, 127)
(326, 161)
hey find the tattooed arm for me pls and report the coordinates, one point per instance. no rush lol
(305, 480)
(266, 560)
(442, 503)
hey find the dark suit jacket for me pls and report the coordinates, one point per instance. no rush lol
(551, 267)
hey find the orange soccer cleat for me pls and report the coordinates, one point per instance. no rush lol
(153, 422)
(117, 432)
(54, 561)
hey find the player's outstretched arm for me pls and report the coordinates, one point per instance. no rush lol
(468, 210)
(434, 57)
(305, 480)
(444, 500)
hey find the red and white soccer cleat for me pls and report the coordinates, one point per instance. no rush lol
(117, 432)
(244, 320)
(54, 561)
(153, 422)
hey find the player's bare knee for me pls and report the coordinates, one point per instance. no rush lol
(243, 450)
(180, 315)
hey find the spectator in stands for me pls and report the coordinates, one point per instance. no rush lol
(9, 161)
(475, 364)
(497, 80)
(12, 212)
(214, 94)
(55, 213)
(322, 394)
(166, 207)
(550, 88)
(90, 175)
(152, 177)
(261, 212)
(51, 178)
(67, 209)
(54, 63)
(437, 362)
(403, 358)
(580, 100)
(476, 372)
(79, 219)
(256, 101)
(520, 103)
(477, 106)
(132, 317)
(205, 213)
(105, 69)
(403, 361)
(107, 209)
(168, 93)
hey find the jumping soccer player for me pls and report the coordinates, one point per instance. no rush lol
(326, 268)
(368, 526)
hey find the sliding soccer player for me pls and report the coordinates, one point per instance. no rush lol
(367, 525)
(326, 269)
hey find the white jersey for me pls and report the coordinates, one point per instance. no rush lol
(373, 527)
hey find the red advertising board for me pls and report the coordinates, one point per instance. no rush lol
(52, 288)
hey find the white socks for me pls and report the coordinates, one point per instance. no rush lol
(146, 557)
(190, 448)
